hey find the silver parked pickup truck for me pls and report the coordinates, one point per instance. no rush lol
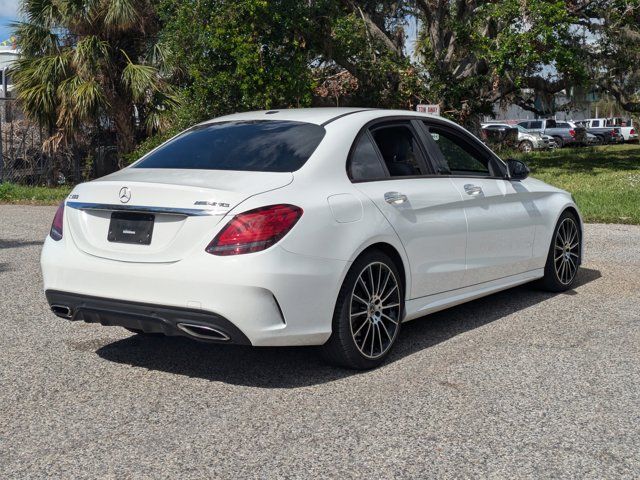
(564, 136)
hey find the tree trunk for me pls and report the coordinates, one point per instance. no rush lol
(125, 129)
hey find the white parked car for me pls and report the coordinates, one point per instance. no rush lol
(306, 227)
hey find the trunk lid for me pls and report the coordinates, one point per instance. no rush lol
(187, 206)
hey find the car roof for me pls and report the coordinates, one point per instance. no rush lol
(319, 116)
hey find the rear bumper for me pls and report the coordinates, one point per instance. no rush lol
(145, 317)
(273, 298)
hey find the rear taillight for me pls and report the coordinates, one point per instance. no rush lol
(632, 132)
(56, 225)
(572, 132)
(255, 230)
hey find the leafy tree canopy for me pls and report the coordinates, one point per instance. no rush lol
(85, 63)
(120, 60)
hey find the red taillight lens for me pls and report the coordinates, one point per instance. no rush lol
(255, 230)
(632, 132)
(56, 225)
(572, 132)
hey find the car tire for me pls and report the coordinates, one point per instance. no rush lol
(525, 146)
(367, 317)
(600, 140)
(559, 141)
(564, 257)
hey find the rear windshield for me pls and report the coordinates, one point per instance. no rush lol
(261, 146)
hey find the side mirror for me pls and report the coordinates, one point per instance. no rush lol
(517, 169)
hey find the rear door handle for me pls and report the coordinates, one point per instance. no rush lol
(395, 198)
(472, 189)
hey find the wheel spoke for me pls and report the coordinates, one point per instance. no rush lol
(373, 339)
(379, 279)
(572, 267)
(373, 286)
(386, 281)
(390, 306)
(364, 286)
(384, 315)
(390, 292)
(357, 314)
(366, 321)
(386, 331)
(364, 340)
(379, 337)
(360, 299)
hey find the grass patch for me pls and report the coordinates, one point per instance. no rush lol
(605, 181)
(12, 193)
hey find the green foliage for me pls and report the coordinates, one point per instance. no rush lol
(614, 60)
(243, 55)
(480, 52)
(88, 62)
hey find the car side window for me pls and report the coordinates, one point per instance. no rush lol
(595, 123)
(400, 150)
(365, 162)
(535, 125)
(459, 157)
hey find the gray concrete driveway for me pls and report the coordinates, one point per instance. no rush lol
(518, 384)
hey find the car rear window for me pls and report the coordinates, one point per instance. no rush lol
(261, 145)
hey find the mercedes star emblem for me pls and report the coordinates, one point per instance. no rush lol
(125, 194)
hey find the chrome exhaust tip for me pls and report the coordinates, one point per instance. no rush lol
(202, 332)
(62, 311)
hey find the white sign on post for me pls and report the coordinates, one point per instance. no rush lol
(431, 109)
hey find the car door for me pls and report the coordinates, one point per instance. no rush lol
(533, 126)
(499, 212)
(388, 164)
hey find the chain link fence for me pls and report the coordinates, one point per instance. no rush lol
(24, 158)
(21, 141)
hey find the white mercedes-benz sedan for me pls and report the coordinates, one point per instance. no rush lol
(318, 226)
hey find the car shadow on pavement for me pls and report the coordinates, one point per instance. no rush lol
(18, 243)
(291, 367)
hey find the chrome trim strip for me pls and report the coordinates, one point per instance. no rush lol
(188, 212)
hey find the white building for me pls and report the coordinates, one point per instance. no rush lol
(8, 54)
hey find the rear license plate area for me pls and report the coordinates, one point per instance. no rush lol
(131, 227)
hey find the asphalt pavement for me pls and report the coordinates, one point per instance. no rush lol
(521, 384)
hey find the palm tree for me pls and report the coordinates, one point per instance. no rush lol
(92, 62)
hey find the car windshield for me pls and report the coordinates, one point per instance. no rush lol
(261, 145)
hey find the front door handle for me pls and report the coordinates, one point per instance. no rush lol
(471, 189)
(395, 198)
